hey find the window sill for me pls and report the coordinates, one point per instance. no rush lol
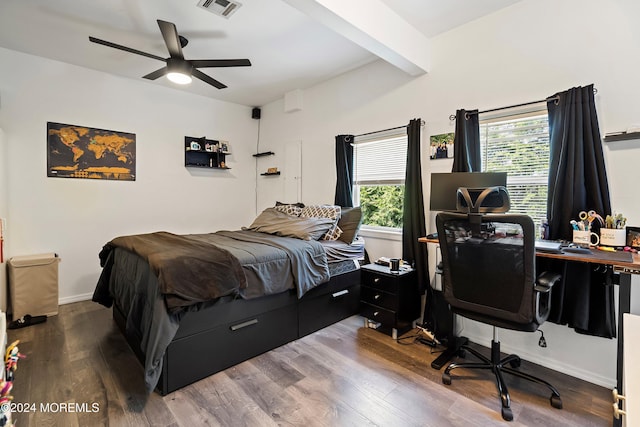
(381, 233)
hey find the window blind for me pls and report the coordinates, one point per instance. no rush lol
(380, 161)
(520, 147)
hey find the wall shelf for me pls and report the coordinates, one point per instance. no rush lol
(270, 173)
(205, 154)
(265, 153)
(621, 136)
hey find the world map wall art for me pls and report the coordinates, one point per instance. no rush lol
(83, 152)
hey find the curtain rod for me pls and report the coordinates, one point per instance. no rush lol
(386, 130)
(551, 98)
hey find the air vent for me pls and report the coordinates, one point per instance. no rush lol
(224, 8)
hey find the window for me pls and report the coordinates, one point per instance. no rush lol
(379, 169)
(519, 145)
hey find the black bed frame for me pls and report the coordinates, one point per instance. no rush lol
(232, 331)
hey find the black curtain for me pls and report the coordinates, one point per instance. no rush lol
(577, 174)
(466, 143)
(413, 223)
(577, 182)
(344, 171)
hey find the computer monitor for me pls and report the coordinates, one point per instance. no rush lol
(444, 186)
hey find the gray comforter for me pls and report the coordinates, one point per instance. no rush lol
(271, 264)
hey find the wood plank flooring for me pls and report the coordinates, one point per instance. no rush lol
(343, 375)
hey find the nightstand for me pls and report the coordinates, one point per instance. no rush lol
(391, 299)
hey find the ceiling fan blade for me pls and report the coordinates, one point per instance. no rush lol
(156, 74)
(205, 78)
(170, 35)
(126, 49)
(221, 63)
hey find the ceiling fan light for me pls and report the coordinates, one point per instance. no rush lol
(179, 78)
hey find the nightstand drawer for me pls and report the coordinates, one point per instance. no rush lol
(379, 298)
(372, 312)
(380, 281)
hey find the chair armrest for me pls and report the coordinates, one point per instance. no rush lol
(545, 281)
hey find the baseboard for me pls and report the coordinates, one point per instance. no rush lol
(75, 298)
(571, 370)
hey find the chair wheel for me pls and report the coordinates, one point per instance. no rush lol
(556, 402)
(515, 363)
(446, 378)
(507, 414)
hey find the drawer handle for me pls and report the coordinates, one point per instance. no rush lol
(340, 293)
(376, 279)
(377, 296)
(244, 324)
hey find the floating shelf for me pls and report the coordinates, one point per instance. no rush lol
(203, 158)
(621, 136)
(266, 153)
(270, 174)
(204, 166)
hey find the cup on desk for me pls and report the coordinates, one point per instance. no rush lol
(613, 236)
(394, 264)
(585, 238)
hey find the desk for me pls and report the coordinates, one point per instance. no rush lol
(625, 269)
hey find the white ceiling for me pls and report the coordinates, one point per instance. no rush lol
(288, 49)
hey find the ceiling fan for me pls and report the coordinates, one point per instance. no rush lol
(178, 69)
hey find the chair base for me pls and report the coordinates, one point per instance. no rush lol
(497, 366)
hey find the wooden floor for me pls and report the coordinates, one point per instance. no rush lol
(343, 375)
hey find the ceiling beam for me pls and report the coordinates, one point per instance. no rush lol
(374, 26)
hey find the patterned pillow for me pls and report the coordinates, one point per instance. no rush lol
(324, 211)
(293, 210)
(334, 233)
(321, 211)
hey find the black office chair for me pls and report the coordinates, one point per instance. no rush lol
(489, 276)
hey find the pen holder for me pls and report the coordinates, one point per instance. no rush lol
(613, 236)
(585, 238)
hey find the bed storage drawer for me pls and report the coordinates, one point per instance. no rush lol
(323, 310)
(203, 354)
(227, 310)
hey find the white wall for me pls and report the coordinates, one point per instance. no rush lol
(526, 52)
(3, 214)
(75, 217)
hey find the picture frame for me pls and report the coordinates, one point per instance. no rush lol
(633, 237)
(441, 146)
(77, 151)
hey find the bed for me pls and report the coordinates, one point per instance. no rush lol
(193, 305)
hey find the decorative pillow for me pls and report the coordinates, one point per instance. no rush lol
(272, 221)
(321, 211)
(292, 210)
(350, 222)
(333, 234)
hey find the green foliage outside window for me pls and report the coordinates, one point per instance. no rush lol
(382, 205)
